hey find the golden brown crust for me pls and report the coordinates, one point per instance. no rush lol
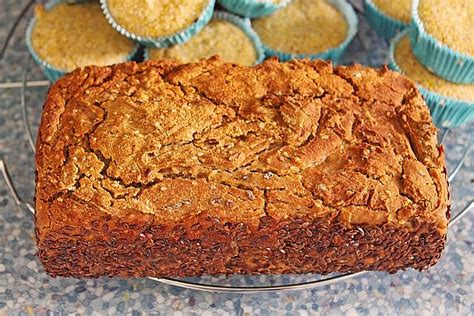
(160, 143)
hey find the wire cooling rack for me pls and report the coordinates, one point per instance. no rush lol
(237, 283)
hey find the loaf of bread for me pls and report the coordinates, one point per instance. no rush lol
(167, 169)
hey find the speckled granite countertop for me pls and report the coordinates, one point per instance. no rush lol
(447, 288)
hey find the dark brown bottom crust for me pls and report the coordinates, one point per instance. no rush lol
(210, 247)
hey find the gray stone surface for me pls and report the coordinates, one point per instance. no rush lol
(447, 288)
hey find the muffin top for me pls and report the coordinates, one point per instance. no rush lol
(416, 71)
(155, 18)
(449, 21)
(76, 35)
(219, 37)
(399, 10)
(303, 27)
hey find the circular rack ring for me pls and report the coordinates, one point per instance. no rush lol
(184, 283)
(235, 289)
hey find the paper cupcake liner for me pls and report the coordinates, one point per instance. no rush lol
(333, 54)
(243, 24)
(252, 8)
(438, 57)
(385, 25)
(51, 72)
(445, 111)
(162, 41)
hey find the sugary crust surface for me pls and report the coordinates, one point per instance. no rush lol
(134, 160)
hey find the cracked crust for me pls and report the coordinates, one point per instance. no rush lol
(166, 169)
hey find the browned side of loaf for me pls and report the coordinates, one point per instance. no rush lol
(162, 169)
(111, 247)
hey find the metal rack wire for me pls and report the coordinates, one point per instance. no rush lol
(195, 283)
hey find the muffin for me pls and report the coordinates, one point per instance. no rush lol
(306, 28)
(253, 8)
(441, 37)
(399, 10)
(388, 17)
(226, 35)
(451, 103)
(156, 22)
(66, 36)
(449, 21)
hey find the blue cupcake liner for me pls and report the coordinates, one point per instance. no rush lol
(252, 8)
(445, 111)
(51, 72)
(438, 57)
(385, 25)
(162, 41)
(333, 54)
(243, 24)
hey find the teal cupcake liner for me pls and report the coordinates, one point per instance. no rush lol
(243, 24)
(333, 54)
(51, 72)
(252, 8)
(162, 41)
(385, 25)
(438, 57)
(446, 112)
